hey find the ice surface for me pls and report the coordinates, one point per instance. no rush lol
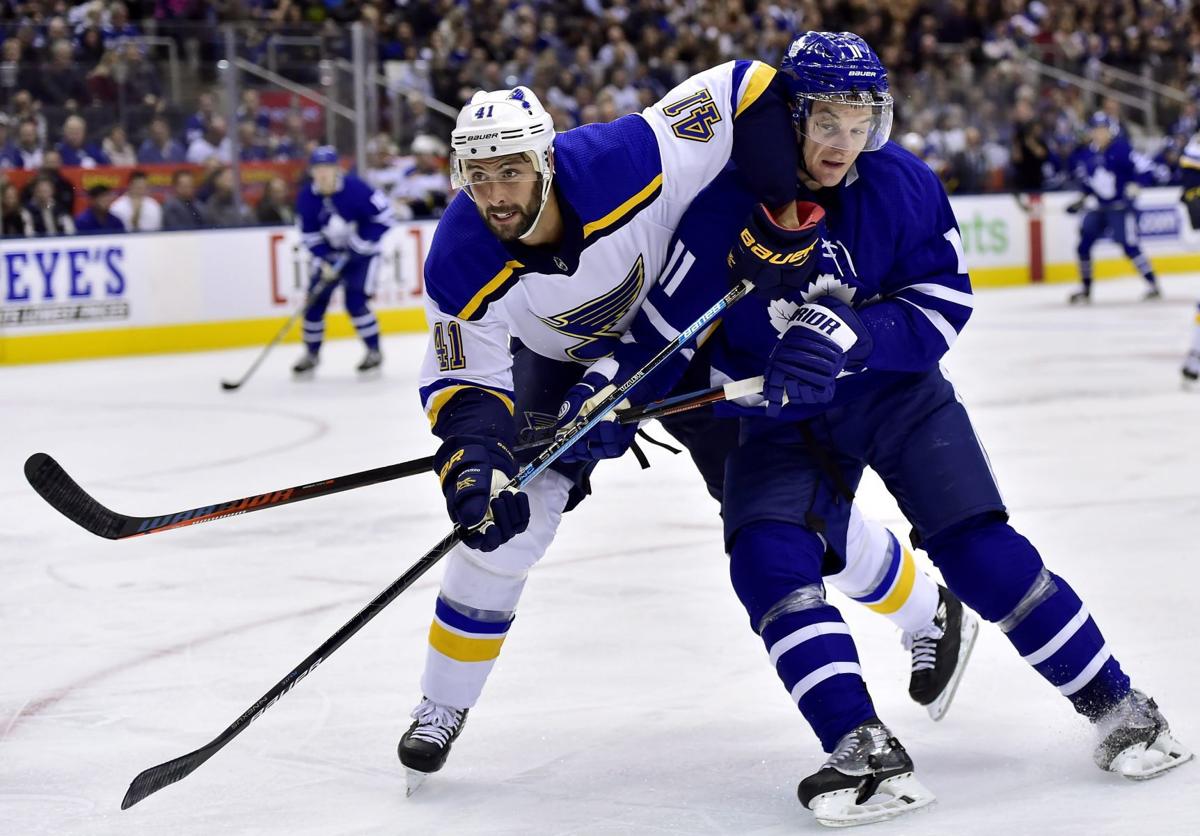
(631, 697)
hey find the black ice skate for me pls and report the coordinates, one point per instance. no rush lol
(306, 365)
(371, 362)
(1152, 295)
(425, 746)
(1135, 740)
(1081, 297)
(1191, 371)
(940, 653)
(868, 762)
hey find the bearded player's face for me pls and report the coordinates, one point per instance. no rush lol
(507, 193)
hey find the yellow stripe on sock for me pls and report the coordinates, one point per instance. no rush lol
(900, 592)
(463, 648)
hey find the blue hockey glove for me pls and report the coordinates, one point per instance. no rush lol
(823, 338)
(607, 440)
(775, 257)
(472, 468)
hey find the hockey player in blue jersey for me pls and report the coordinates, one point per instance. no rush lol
(537, 274)
(848, 358)
(342, 221)
(1110, 175)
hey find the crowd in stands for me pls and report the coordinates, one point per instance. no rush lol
(80, 86)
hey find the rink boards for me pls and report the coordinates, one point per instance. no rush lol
(96, 296)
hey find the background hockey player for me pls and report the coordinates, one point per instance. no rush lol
(342, 220)
(855, 350)
(536, 271)
(1189, 167)
(1110, 174)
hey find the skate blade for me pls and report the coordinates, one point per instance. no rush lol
(1141, 762)
(969, 632)
(413, 781)
(904, 795)
(371, 374)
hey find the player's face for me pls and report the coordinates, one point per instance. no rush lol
(325, 178)
(835, 134)
(507, 193)
(1101, 136)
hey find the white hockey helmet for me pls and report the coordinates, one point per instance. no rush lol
(499, 123)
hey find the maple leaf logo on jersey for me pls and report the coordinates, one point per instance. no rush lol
(594, 322)
(783, 313)
(827, 285)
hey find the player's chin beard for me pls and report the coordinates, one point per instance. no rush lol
(513, 231)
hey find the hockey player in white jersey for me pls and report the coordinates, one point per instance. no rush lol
(536, 272)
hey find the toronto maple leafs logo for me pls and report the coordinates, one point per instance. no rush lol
(783, 312)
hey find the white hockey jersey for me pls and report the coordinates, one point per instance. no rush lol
(622, 186)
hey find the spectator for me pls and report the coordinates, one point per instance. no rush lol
(251, 148)
(142, 82)
(136, 209)
(74, 151)
(294, 144)
(61, 83)
(197, 124)
(18, 72)
(382, 172)
(102, 80)
(7, 150)
(117, 148)
(48, 216)
(15, 220)
(969, 170)
(25, 109)
(64, 191)
(225, 208)
(275, 208)
(118, 30)
(97, 219)
(181, 210)
(159, 146)
(27, 151)
(1029, 151)
(214, 144)
(251, 110)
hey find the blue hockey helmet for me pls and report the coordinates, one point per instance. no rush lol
(323, 155)
(840, 69)
(1100, 119)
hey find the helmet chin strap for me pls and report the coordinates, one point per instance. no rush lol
(547, 180)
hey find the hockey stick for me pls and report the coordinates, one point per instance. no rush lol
(64, 494)
(309, 298)
(691, 400)
(156, 777)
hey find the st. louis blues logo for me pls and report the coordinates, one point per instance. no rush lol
(594, 321)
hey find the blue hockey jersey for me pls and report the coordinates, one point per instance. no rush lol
(892, 250)
(351, 221)
(1108, 174)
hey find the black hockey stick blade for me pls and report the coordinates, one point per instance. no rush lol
(156, 777)
(229, 387)
(54, 485)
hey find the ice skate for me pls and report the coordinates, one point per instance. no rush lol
(940, 653)
(1153, 294)
(1135, 740)
(1191, 372)
(371, 362)
(306, 365)
(1081, 297)
(867, 763)
(425, 746)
